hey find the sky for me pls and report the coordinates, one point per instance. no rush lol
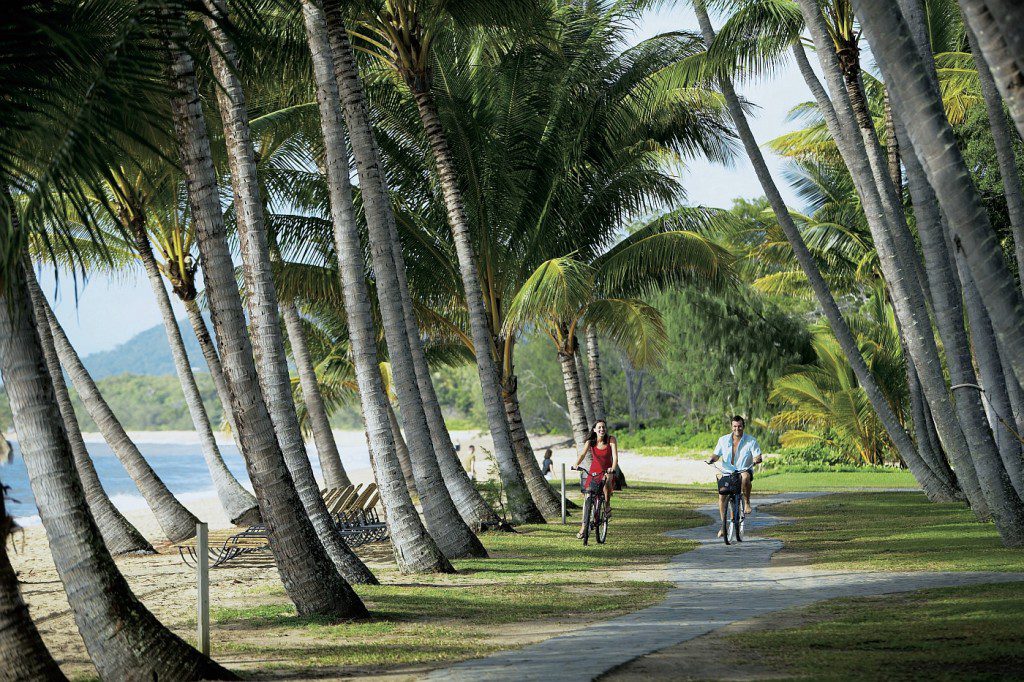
(103, 312)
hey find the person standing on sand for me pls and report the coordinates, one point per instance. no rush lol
(546, 465)
(469, 461)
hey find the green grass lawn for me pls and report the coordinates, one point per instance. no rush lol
(893, 531)
(670, 451)
(832, 480)
(540, 575)
(963, 633)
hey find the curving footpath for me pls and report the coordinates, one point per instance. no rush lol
(716, 585)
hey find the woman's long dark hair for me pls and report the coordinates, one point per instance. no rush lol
(592, 438)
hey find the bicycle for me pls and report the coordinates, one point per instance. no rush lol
(733, 521)
(595, 511)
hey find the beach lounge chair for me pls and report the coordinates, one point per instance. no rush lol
(224, 545)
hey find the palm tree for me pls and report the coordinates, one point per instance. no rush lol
(23, 651)
(594, 372)
(177, 522)
(123, 638)
(415, 549)
(921, 97)
(398, 305)
(262, 300)
(401, 25)
(934, 487)
(119, 535)
(308, 572)
(996, 23)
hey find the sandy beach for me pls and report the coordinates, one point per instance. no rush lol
(167, 586)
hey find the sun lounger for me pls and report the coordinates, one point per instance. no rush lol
(224, 546)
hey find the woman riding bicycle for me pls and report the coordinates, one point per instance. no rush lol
(604, 457)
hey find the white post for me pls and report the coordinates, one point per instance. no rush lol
(203, 597)
(563, 493)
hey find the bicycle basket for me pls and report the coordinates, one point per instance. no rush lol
(729, 484)
(591, 484)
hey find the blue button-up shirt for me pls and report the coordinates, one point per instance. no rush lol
(746, 451)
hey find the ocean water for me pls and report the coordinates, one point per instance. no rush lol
(181, 467)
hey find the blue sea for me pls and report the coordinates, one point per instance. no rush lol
(181, 467)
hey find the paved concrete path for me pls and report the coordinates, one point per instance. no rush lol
(715, 585)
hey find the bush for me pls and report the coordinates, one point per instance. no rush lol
(814, 458)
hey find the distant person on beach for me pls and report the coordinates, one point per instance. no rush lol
(546, 465)
(469, 461)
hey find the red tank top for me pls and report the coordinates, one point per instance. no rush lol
(602, 458)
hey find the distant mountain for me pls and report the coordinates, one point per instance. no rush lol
(148, 352)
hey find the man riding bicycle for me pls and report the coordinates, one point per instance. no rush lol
(738, 452)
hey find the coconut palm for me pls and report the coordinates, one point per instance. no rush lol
(935, 487)
(309, 573)
(415, 549)
(996, 23)
(119, 535)
(1003, 501)
(23, 651)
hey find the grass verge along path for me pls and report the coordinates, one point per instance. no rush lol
(538, 582)
(890, 531)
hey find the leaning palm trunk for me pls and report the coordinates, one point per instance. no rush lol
(933, 486)
(326, 446)
(309, 574)
(402, 450)
(994, 42)
(520, 503)
(415, 549)
(238, 503)
(209, 348)
(962, 426)
(119, 535)
(897, 43)
(177, 522)
(574, 396)
(124, 640)
(594, 367)
(935, 144)
(24, 655)
(442, 519)
(544, 496)
(1001, 137)
(268, 343)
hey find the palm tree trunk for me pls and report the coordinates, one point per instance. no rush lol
(310, 576)
(262, 302)
(177, 522)
(415, 549)
(935, 144)
(452, 533)
(544, 496)
(521, 506)
(119, 535)
(573, 397)
(594, 365)
(209, 348)
(238, 502)
(995, 38)
(326, 447)
(933, 486)
(402, 450)
(962, 428)
(581, 373)
(124, 640)
(22, 650)
(1002, 138)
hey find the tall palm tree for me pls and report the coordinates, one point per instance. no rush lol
(408, 30)
(262, 300)
(119, 535)
(123, 638)
(23, 651)
(992, 21)
(177, 522)
(594, 372)
(919, 106)
(309, 574)
(933, 486)
(380, 219)
(415, 549)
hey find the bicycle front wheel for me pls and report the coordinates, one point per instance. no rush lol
(727, 524)
(602, 523)
(738, 516)
(588, 510)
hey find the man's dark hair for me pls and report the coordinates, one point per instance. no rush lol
(741, 420)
